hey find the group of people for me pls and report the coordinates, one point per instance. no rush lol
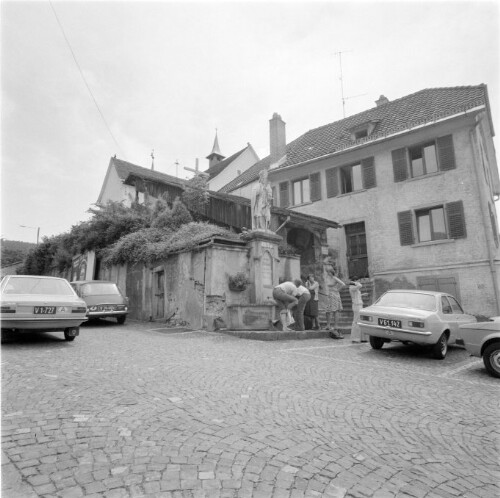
(303, 298)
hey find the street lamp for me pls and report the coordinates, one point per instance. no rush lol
(37, 231)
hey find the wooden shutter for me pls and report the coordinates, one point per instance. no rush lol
(315, 187)
(284, 201)
(405, 221)
(456, 220)
(446, 153)
(400, 164)
(332, 182)
(368, 172)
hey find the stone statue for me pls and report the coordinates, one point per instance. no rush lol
(261, 203)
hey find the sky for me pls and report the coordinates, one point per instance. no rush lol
(83, 81)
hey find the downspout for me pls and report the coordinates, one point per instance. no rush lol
(486, 221)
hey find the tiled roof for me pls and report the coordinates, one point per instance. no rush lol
(124, 169)
(217, 168)
(418, 108)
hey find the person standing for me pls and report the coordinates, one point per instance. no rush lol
(334, 302)
(304, 297)
(357, 304)
(285, 295)
(312, 311)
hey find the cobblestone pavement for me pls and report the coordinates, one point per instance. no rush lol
(136, 410)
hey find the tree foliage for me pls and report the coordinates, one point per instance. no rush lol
(196, 195)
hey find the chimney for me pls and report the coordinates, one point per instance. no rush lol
(277, 138)
(381, 100)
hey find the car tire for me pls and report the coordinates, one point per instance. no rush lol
(121, 319)
(491, 359)
(440, 349)
(376, 342)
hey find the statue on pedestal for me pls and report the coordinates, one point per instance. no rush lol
(261, 203)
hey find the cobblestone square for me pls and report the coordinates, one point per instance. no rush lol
(144, 411)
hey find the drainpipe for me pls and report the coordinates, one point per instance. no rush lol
(486, 221)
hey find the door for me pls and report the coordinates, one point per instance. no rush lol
(159, 294)
(357, 254)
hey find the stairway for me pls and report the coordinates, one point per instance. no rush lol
(344, 318)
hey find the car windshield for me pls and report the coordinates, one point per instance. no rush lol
(36, 285)
(425, 302)
(99, 289)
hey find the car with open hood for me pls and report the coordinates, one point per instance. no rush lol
(427, 318)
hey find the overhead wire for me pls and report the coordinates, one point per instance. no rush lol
(83, 77)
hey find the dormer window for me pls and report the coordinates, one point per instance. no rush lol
(363, 130)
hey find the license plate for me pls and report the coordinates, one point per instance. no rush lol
(387, 322)
(44, 310)
(106, 308)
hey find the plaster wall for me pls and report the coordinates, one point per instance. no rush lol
(246, 159)
(115, 190)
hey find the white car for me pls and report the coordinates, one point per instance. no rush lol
(40, 304)
(414, 316)
(483, 339)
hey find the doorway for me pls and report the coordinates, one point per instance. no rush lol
(357, 253)
(158, 294)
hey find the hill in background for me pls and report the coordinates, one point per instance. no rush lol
(13, 251)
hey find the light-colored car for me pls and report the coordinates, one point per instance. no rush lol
(103, 298)
(420, 317)
(40, 304)
(483, 339)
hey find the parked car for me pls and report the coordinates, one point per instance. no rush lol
(40, 304)
(414, 316)
(104, 299)
(483, 339)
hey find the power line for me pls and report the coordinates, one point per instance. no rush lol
(83, 77)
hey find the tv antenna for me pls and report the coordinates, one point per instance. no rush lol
(339, 53)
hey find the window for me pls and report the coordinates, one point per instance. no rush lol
(350, 178)
(455, 306)
(424, 159)
(445, 304)
(361, 134)
(300, 190)
(446, 221)
(431, 224)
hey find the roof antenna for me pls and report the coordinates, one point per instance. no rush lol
(339, 53)
(177, 168)
(153, 160)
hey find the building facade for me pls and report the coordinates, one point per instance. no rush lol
(413, 182)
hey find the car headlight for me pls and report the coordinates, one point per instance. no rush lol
(366, 318)
(417, 325)
(121, 307)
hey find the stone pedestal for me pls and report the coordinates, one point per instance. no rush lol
(264, 260)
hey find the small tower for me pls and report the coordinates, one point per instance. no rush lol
(215, 156)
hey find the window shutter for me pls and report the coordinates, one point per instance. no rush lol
(315, 187)
(332, 183)
(368, 169)
(399, 165)
(284, 194)
(456, 220)
(405, 221)
(446, 153)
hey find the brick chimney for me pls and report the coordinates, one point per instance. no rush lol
(277, 138)
(381, 100)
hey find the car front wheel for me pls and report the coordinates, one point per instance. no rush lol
(491, 359)
(440, 349)
(376, 342)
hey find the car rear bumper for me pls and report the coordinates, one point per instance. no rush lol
(41, 324)
(423, 337)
